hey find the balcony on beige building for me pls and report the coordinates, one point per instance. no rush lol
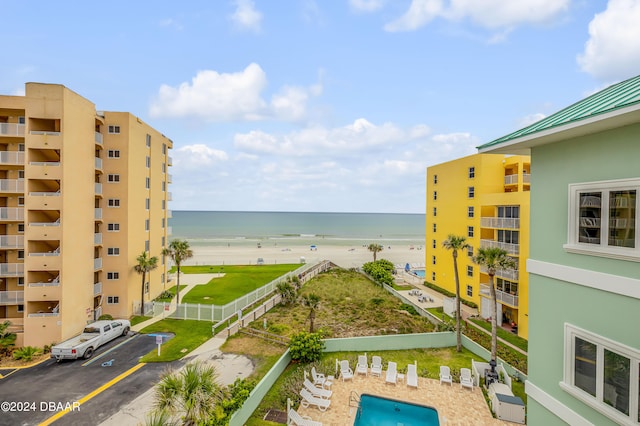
(42, 291)
(501, 296)
(12, 186)
(97, 213)
(513, 249)
(98, 188)
(11, 242)
(12, 129)
(98, 138)
(8, 270)
(98, 163)
(97, 263)
(97, 288)
(11, 214)
(11, 297)
(11, 158)
(97, 238)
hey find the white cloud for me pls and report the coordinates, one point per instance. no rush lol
(197, 155)
(612, 51)
(171, 23)
(215, 97)
(530, 119)
(492, 14)
(359, 136)
(246, 17)
(366, 5)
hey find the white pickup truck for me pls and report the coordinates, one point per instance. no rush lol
(93, 336)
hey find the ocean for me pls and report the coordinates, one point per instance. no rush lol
(293, 228)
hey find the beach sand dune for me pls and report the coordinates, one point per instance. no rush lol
(341, 255)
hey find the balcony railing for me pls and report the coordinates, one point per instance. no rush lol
(11, 269)
(45, 163)
(98, 188)
(500, 222)
(169, 230)
(11, 129)
(45, 193)
(44, 133)
(11, 241)
(97, 238)
(509, 274)
(98, 163)
(12, 213)
(169, 197)
(508, 247)
(12, 158)
(169, 214)
(169, 161)
(55, 252)
(526, 178)
(98, 138)
(43, 314)
(97, 263)
(53, 283)
(501, 296)
(169, 178)
(11, 297)
(97, 213)
(97, 289)
(12, 185)
(54, 223)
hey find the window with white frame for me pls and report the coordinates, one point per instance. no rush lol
(470, 271)
(113, 275)
(20, 308)
(20, 201)
(113, 227)
(20, 254)
(469, 290)
(113, 300)
(470, 211)
(114, 129)
(470, 231)
(435, 195)
(470, 251)
(113, 178)
(147, 203)
(433, 276)
(21, 228)
(471, 192)
(472, 172)
(433, 260)
(113, 202)
(603, 218)
(148, 162)
(435, 227)
(20, 281)
(435, 178)
(113, 251)
(433, 243)
(147, 182)
(113, 153)
(603, 374)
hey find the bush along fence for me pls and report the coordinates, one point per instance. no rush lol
(219, 313)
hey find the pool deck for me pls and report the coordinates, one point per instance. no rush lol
(456, 406)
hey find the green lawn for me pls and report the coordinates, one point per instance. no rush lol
(504, 334)
(237, 281)
(189, 334)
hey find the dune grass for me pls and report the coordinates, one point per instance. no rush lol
(236, 282)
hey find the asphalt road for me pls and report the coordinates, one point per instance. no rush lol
(38, 393)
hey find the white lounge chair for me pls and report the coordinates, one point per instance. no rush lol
(376, 366)
(465, 378)
(308, 399)
(294, 418)
(318, 378)
(412, 374)
(345, 371)
(392, 373)
(362, 367)
(445, 375)
(315, 391)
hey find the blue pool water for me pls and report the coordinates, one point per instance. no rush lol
(419, 272)
(377, 411)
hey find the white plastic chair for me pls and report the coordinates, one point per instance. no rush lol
(318, 378)
(315, 391)
(376, 366)
(308, 399)
(445, 375)
(412, 374)
(392, 373)
(294, 418)
(362, 367)
(345, 371)
(466, 381)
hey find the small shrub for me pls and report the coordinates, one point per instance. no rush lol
(105, 317)
(306, 347)
(26, 353)
(47, 348)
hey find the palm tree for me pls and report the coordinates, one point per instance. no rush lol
(493, 258)
(192, 394)
(375, 249)
(456, 243)
(145, 264)
(312, 301)
(178, 251)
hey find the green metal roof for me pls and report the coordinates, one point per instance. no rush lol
(617, 96)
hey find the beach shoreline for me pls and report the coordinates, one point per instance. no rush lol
(344, 255)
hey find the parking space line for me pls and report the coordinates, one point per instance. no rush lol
(106, 352)
(94, 393)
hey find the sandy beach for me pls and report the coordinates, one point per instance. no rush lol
(342, 255)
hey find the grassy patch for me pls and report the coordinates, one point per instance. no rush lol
(170, 294)
(350, 305)
(398, 287)
(515, 340)
(189, 334)
(137, 319)
(237, 281)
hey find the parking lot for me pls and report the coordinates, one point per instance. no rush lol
(93, 389)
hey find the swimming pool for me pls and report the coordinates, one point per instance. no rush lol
(378, 411)
(419, 272)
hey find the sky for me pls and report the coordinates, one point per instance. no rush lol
(321, 106)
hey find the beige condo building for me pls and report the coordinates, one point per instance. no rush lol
(82, 194)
